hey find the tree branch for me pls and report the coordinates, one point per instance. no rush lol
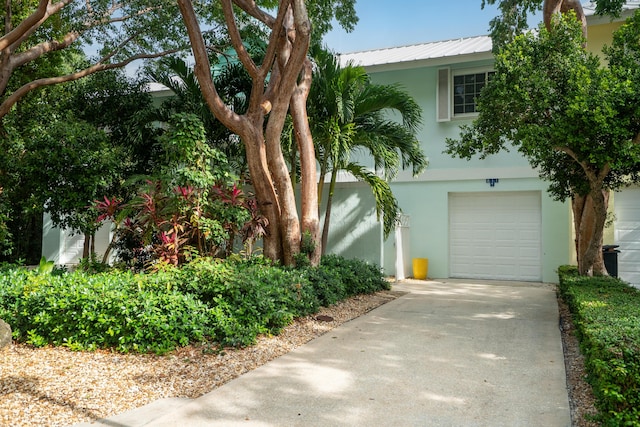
(252, 9)
(202, 70)
(40, 49)
(554, 7)
(595, 179)
(44, 10)
(299, 36)
(7, 17)
(276, 30)
(107, 19)
(32, 20)
(236, 40)
(264, 103)
(6, 105)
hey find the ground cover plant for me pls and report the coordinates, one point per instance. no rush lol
(606, 313)
(223, 303)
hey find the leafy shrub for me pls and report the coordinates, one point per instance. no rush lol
(248, 298)
(111, 310)
(191, 204)
(328, 284)
(358, 277)
(229, 302)
(92, 264)
(606, 313)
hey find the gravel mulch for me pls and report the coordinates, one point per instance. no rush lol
(58, 387)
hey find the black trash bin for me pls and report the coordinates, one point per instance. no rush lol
(610, 258)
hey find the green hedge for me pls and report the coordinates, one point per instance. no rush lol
(606, 313)
(109, 310)
(338, 278)
(222, 302)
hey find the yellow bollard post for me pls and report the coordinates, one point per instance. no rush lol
(420, 268)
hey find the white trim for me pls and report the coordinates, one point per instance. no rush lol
(462, 174)
(465, 72)
(443, 95)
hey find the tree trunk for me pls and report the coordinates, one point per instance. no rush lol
(308, 173)
(553, 7)
(86, 246)
(327, 215)
(284, 60)
(265, 193)
(323, 173)
(288, 218)
(589, 217)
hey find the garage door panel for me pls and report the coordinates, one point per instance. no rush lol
(531, 253)
(627, 234)
(495, 235)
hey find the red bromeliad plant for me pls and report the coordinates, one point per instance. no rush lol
(108, 208)
(192, 206)
(171, 224)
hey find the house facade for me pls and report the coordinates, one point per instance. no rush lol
(481, 219)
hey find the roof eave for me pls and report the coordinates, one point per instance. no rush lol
(430, 62)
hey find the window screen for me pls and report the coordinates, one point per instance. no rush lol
(466, 89)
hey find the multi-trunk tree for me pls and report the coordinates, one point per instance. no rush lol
(280, 85)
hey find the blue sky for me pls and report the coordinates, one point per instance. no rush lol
(387, 23)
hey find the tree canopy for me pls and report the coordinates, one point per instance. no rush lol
(121, 33)
(513, 18)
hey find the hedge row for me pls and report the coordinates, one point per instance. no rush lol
(606, 313)
(222, 302)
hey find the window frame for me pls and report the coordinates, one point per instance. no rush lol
(467, 72)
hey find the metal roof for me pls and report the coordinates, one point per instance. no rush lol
(419, 52)
(441, 49)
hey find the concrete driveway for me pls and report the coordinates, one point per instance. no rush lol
(446, 353)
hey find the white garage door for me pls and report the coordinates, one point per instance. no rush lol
(627, 234)
(495, 235)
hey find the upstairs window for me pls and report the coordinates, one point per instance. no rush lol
(458, 91)
(466, 90)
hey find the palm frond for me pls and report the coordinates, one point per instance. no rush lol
(386, 203)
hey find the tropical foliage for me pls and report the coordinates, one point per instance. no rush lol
(68, 146)
(351, 115)
(210, 302)
(37, 33)
(235, 86)
(189, 205)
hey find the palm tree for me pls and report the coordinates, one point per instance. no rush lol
(349, 113)
(235, 84)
